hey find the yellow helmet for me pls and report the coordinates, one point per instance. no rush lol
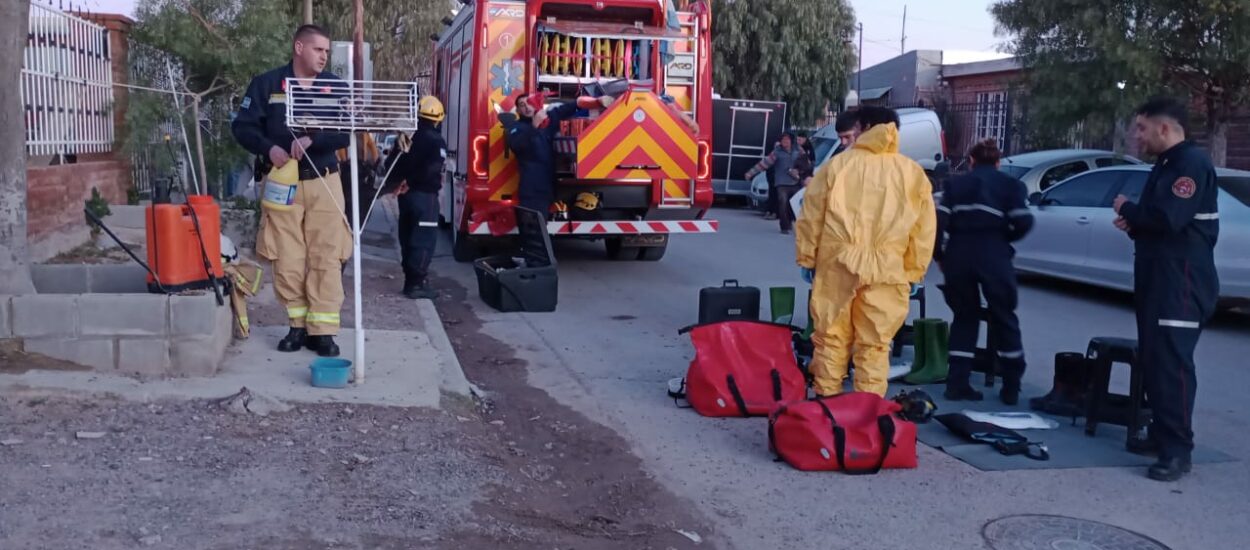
(430, 108)
(587, 201)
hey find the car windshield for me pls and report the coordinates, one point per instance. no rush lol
(823, 147)
(1239, 188)
(1014, 170)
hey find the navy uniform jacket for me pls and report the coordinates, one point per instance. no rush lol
(534, 148)
(422, 165)
(1177, 216)
(261, 121)
(985, 204)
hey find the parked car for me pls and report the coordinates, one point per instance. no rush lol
(1074, 238)
(1042, 169)
(920, 138)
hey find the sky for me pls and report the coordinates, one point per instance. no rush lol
(964, 28)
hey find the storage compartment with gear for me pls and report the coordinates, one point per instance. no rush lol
(527, 279)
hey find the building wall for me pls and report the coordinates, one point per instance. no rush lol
(961, 109)
(55, 198)
(906, 75)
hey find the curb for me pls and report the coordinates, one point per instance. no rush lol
(454, 381)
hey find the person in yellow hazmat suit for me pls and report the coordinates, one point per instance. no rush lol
(866, 234)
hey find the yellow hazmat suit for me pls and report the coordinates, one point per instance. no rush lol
(867, 229)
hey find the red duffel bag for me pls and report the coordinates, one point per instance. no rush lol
(742, 368)
(857, 433)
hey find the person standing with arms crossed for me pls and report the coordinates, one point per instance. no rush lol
(1174, 228)
(981, 214)
(303, 229)
(419, 165)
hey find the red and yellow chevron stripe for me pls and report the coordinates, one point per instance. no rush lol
(506, 40)
(637, 138)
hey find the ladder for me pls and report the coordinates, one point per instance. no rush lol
(681, 72)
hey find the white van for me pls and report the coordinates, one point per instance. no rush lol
(920, 139)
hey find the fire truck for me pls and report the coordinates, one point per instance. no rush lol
(646, 158)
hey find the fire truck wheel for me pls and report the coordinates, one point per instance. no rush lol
(463, 248)
(653, 253)
(620, 253)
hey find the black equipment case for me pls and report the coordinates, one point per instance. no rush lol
(729, 302)
(527, 281)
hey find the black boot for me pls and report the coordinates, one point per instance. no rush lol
(1170, 468)
(293, 341)
(419, 291)
(1010, 394)
(962, 393)
(323, 345)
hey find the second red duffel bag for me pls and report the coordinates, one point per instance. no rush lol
(856, 433)
(742, 368)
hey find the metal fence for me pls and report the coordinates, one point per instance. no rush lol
(66, 84)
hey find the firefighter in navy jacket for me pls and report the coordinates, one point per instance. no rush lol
(1174, 227)
(303, 230)
(980, 215)
(419, 165)
(531, 134)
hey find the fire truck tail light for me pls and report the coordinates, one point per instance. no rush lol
(480, 156)
(705, 160)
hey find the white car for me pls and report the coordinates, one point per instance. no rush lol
(1073, 237)
(920, 138)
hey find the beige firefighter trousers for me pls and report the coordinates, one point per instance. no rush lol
(308, 242)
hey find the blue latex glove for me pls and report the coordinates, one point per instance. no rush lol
(914, 288)
(807, 274)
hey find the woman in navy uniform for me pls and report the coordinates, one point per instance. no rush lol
(980, 215)
(1174, 228)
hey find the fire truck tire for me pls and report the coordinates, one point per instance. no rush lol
(653, 253)
(463, 249)
(620, 253)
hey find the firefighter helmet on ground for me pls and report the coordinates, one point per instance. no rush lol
(431, 109)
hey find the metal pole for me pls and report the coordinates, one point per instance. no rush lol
(358, 41)
(859, 76)
(199, 142)
(359, 364)
(308, 12)
(185, 142)
(902, 42)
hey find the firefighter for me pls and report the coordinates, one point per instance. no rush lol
(981, 214)
(531, 132)
(303, 230)
(867, 232)
(1174, 227)
(419, 165)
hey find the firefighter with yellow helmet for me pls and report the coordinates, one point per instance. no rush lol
(418, 171)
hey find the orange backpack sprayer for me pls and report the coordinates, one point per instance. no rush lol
(184, 244)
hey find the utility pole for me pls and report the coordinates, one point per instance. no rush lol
(358, 38)
(859, 75)
(902, 43)
(308, 20)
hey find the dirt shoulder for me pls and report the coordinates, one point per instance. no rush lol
(518, 470)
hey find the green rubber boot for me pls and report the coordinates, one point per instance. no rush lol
(919, 345)
(933, 339)
(781, 303)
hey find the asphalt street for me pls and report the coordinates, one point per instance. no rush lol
(612, 345)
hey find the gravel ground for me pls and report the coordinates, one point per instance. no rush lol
(515, 470)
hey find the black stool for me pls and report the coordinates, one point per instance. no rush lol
(906, 335)
(1102, 406)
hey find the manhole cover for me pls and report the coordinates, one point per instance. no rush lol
(1038, 532)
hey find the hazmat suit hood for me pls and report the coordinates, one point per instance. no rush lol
(882, 138)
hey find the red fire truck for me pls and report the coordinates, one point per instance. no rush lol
(647, 158)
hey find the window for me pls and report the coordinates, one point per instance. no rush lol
(1014, 170)
(1235, 188)
(1061, 172)
(1107, 162)
(1090, 191)
(1134, 185)
(992, 116)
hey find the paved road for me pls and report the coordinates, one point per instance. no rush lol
(613, 345)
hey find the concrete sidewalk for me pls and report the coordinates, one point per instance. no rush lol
(403, 369)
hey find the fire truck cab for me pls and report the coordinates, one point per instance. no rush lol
(646, 158)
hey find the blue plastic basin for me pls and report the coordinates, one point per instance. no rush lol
(328, 372)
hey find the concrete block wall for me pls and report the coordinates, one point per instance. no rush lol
(137, 334)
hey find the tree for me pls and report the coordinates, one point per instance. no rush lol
(216, 47)
(398, 31)
(796, 51)
(1092, 61)
(14, 270)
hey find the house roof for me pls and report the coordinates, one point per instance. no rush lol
(982, 67)
(874, 93)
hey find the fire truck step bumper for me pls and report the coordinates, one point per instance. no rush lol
(595, 228)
